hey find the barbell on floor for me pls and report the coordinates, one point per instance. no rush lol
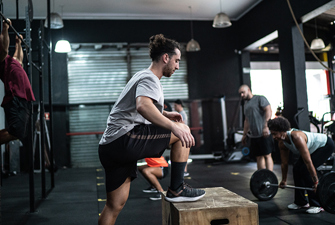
(264, 186)
(268, 184)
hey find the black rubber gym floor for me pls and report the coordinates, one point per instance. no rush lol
(79, 195)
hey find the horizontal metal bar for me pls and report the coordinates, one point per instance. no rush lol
(302, 188)
(268, 184)
(22, 33)
(17, 33)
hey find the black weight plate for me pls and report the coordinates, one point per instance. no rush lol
(326, 192)
(257, 187)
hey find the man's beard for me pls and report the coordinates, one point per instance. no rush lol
(167, 71)
(247, 97)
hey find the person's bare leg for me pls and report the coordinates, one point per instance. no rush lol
(151, 174)
(115, 202)
(269, 162)
(178, 191)
(6, 137)
(260, 162)
(178, 152)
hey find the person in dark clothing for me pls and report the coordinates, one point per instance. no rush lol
(313, 150)
(18, 91)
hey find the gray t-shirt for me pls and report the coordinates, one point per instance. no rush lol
(124, 116)
(254, 112)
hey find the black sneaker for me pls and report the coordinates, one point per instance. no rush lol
(184, 194)
(150, 190)
(156, 197)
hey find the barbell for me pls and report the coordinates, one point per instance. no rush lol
(264, 186)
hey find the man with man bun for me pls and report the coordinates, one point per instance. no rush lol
(138, 127)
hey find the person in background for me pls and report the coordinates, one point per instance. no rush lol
(257, 111)
(18, 91)
(179, 107)
(313, 149)
(156, 168)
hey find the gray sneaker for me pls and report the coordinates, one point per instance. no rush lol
(156, 197)
(150, 190)
(184, 194)
(295, 206)
(314, 210)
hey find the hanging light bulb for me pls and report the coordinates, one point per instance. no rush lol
(62, 46)
(192, 45)
(317, 43)
(221, 20)
(56, 21)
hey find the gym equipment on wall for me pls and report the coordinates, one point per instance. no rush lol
(27, 43)
(264, 186)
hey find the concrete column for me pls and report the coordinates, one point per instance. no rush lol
(292, 63)
(245, 64)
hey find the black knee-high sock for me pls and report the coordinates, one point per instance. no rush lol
(177, 174)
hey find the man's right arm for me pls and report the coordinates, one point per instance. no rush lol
(245, 131)
(4, 41)
(284, 156)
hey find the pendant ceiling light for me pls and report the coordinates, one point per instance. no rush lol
(192, 45)
(221, 20)
(56, 21)
(62, 46)
(317, 43)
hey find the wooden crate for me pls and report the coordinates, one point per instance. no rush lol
(219, 206)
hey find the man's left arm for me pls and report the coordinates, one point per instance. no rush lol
(267, 115)
(18, 54)
(174, 116)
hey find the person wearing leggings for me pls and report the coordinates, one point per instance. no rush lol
(313, 149)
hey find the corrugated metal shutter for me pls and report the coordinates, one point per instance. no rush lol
(84, 148)
(98, 76)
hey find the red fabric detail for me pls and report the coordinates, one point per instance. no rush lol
(15, 80)
(328, 82)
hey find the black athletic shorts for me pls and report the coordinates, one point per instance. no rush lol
(18, 112)
(119, 158)
(261, 146)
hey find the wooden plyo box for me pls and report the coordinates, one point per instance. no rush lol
(219, 206)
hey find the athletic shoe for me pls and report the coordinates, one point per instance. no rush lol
(150, 190)
(186, 174)
(156, 197)
(184, 194)
(314, 210)
(186, 184)
(295, 206)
